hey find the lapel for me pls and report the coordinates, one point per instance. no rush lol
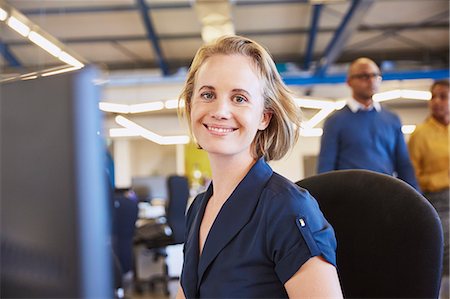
(192, 249)
(235, 213)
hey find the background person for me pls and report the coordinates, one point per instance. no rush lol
(429, 149)
(364, 135)
(253, 233)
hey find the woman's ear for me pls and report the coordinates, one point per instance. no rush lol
(265, 120)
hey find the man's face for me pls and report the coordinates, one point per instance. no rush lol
(364, 79)
(439, 103)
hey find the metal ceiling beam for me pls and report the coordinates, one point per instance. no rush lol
(432, 22)
(348, 26)
(155, 6)
(9, 57)
(151, 35)
(312, 35)
(294, 31)
(341, 78)
(291, 80)
(77, 10)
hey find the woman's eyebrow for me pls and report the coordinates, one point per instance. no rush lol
(240, 90)
(209, 87)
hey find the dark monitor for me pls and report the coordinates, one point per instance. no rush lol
(54, 207)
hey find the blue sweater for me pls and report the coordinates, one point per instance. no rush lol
(365, 140)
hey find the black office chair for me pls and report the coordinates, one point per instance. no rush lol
(168, 230)
(389, 237)
(125, 215)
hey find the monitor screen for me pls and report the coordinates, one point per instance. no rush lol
(54, 207)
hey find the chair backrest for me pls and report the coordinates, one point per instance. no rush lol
(124, 219)
(389, 237)
(178, 192)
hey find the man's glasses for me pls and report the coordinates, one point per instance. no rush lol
(366, 76)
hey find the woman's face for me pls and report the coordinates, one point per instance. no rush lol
(227, 105)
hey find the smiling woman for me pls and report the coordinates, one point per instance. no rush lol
(227, 106)
(253, 233)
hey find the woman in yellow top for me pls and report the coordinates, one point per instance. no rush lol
(429, 150)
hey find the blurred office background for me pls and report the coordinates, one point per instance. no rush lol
(144, 48)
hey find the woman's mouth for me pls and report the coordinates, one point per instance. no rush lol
(222, 130)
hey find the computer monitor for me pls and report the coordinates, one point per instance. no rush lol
(54, 207)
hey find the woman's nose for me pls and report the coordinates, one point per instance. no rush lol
(220, 109)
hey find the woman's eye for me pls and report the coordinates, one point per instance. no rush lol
(207, 95)
(240, 99)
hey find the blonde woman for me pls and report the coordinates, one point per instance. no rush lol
(253, 233)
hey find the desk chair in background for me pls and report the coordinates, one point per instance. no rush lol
(125, 214)
(168, 230)
(390, 241)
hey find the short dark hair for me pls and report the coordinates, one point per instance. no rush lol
(443, 82)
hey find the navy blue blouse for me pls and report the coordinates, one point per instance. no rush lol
(266, 230)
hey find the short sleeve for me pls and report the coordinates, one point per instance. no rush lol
(297, 231)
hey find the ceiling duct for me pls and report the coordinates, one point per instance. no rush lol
(215, 17)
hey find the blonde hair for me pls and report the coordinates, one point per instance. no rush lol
(282, 132)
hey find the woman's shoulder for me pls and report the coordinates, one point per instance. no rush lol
(282, 194)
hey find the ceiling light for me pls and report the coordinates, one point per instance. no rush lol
(65, 57)
(29, 78)
(312, 132)
(3, 14)
(402, 93)
(113, 107)
(316, 119)
(147, 107)
(147, 134)
(18, 26)
(173, 104)
(340, 104)
(44, 43)
(136, 108)
(416, 94)
(64, 70)
(121, 132)
(387, 95)
(313, 103)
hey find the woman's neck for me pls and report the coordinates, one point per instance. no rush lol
(227, 173)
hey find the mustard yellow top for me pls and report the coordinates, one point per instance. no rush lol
(429, 151)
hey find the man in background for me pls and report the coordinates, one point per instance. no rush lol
(429, 150)
(363, 135)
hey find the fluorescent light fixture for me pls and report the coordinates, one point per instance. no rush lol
(113, 107)
(60, 71)
(147, 107)
(416, 94)
(44, 43)
(314, 104)
(402, 93)
(18, 26)
(136, 108)
(67, 58)
(122, 132)
(29, 78)
(3, 14)
(312, 132)
(387, 95)
(28, 74)
(173, 104)
(408, 129)
(340, 104)
(147, 134)
(321, 115)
